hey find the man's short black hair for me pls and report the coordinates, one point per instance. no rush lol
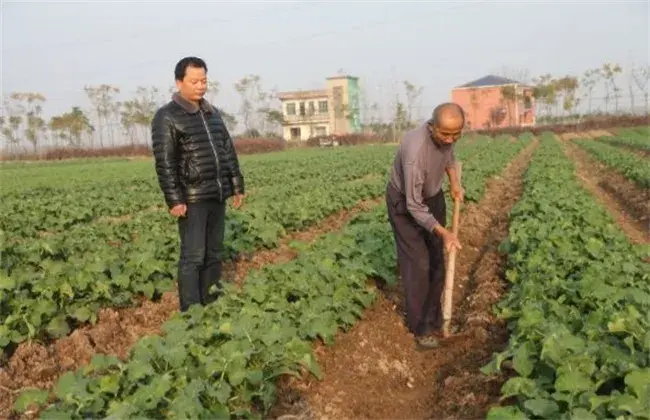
(184, 63)
(437, 112)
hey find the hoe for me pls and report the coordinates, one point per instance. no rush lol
(447, 299)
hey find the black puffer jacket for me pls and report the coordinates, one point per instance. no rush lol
(195, 156)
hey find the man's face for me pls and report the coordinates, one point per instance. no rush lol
(194, 84)
(446, 132)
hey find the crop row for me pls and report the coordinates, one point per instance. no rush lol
(223, 360)
(58, 205)
(59, 281)
(81, 175)
(487, 157)
(578, 308)
(633, 167)
(644, 130)
(55, 282)
(67, 282)
(631, 138)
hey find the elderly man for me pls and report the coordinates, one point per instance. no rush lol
(417, 213)
(198, 170)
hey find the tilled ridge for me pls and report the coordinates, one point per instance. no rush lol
(375, 371)
(627, 203)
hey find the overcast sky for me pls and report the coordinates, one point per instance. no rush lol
(57, 47)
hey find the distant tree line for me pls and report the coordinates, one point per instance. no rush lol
(111, 122)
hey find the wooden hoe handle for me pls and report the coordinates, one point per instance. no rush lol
(448, 297)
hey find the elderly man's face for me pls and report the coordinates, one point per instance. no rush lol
(446, 131)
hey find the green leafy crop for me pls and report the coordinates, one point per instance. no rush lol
(578, 307)
(633, 167)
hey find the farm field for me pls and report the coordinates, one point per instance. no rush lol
(552, 292)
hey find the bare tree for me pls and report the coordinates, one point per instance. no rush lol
(413, 93)
(401, 120)
(72, 126)
(375, 114)
(102, 98)
(273, 116)
(9, 127)
(267, 101)
(640, 76)
(35, 127)
(567, 87)
(249, 88)
(545, 92)
(139, 112)
(589, 82)
(25, 110)
(609, 72)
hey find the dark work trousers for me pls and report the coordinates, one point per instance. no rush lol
(202, 233)
(421, 260)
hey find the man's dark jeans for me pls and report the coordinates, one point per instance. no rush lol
(202, 233)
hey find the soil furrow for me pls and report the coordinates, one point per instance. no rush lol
(626, 202)
(375, 371)
(117, 330)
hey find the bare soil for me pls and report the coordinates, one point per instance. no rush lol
(626, 202)
(38, 365)
(574, 135)
(599, 133)
(375, 371)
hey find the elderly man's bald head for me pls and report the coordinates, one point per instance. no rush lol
(449, 115)
(446, 123)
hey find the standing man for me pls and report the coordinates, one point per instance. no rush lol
(417, 213)
(198, 171)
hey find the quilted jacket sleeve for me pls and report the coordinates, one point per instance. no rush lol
(237, 177)
(163, 138)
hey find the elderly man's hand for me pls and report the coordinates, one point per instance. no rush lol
(457, 193)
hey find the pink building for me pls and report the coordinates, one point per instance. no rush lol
(496, 102)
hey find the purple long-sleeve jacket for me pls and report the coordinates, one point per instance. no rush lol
(418, 172)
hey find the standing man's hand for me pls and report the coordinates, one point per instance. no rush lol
(238, 200)
(179, 210)
(457, 193)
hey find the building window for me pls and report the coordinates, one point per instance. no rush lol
(302, 109)
(291, 109)
(312, 108)
(321, 130)
(322, 107)
(295, 133)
